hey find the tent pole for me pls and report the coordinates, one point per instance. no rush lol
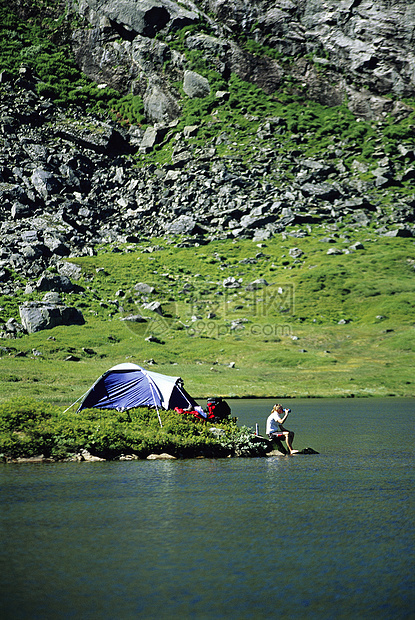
(181, 392)
(78, 399)
(87, 392)
(158, 415)
(152, 391)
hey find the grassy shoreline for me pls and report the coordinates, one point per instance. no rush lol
(31, 429)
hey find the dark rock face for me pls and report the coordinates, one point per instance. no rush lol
(146, 17)
(195, 85)
(54, 283)
(360, 50)
(371, 41)
(160, 104)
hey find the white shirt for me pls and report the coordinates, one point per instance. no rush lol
(273, 423)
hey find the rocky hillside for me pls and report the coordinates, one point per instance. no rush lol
(209, 119)
(364, 46)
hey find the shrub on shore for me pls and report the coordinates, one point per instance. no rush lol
(29, 428)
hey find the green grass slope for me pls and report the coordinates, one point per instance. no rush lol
(320, 325)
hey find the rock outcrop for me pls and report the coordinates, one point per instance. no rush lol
(39, 315)
(359, 49)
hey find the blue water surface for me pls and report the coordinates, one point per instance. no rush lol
(322, 536)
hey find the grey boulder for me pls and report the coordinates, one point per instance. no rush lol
(38, 315)
(195, 85)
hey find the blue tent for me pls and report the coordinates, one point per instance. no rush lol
(126, 386)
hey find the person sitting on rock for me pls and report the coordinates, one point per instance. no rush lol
(275, 429)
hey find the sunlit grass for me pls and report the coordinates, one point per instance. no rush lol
(324, 325)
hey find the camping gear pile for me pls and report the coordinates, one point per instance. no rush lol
(218, 409)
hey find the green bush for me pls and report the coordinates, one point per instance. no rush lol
(401, 131)
(127, 109)
(22, 413)
(29, 428)
(243, 442)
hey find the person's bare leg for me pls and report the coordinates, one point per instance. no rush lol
(289, 438)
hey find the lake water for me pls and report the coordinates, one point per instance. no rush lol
(320, 536)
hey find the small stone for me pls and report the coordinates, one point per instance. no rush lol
(152, 338)
(256, 284)
(231, 282)
(142, 287)
(154, 306)
(161, 457)
(87, 456)
(134, 318)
